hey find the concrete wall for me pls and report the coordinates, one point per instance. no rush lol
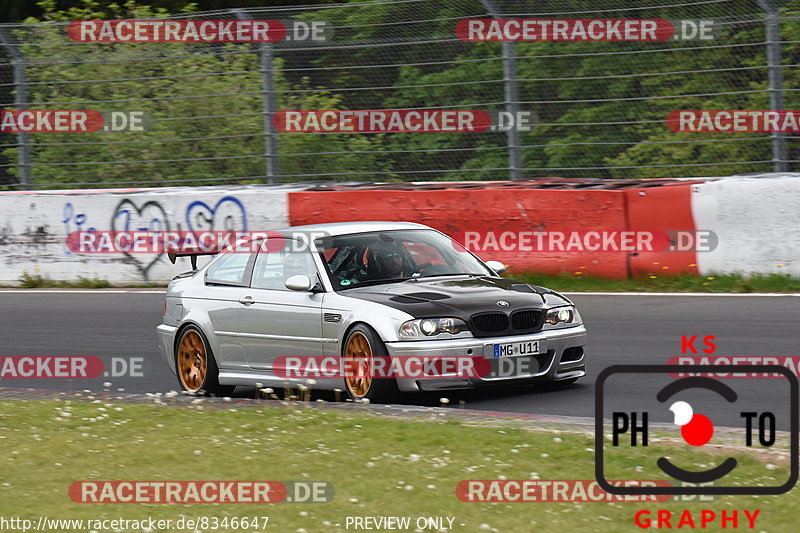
(756, 219)
(457, 211)
(33, 227)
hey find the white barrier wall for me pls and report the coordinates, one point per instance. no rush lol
(33, 227)
(757, 221)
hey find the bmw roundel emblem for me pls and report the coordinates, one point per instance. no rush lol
(502, 303)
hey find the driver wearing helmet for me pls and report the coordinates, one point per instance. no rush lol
(387, 260)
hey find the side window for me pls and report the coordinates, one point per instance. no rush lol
(229, 268)
(272, 269)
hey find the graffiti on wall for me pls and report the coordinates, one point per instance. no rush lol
(32, 235)
(149, 216)
(29, 236)
(228, 214)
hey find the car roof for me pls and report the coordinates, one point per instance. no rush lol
(347, 228)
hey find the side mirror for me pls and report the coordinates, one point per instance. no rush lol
(300, 282)
(497, 266)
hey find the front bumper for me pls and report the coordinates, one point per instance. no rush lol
(166, 343)
(564, 359)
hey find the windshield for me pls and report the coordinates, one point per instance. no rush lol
(386, 256)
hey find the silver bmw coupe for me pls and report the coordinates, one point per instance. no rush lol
(364, 293)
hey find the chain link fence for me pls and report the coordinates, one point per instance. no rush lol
(600, 107)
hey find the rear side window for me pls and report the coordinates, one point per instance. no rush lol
(229, 269)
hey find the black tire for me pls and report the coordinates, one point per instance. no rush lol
(379, 390)
(195, 365)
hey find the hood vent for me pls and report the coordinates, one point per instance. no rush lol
(418, 297)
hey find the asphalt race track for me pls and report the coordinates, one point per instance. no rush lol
(623, 329)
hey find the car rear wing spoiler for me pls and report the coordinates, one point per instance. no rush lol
(172, 255)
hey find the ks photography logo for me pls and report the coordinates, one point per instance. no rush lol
(698, 407)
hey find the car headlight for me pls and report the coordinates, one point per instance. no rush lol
(562, 317)
(431, 327)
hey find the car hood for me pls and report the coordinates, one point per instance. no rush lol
(458, 297)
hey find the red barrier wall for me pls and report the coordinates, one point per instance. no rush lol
(456, 211)
(666, 208)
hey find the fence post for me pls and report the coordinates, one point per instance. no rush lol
(780, 159)
(20, 102)
(266, 67)
(511, 95)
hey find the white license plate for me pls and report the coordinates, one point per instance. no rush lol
(517, 349)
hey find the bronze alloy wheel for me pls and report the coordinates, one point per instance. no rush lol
(358, 364)
(192, 361)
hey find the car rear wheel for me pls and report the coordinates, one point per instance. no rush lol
(195, 365)
(361, 348)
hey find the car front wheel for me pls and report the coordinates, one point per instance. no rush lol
(361, 348)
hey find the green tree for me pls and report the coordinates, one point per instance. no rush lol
(203, 104)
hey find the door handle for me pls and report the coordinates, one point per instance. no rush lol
(246, 300)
